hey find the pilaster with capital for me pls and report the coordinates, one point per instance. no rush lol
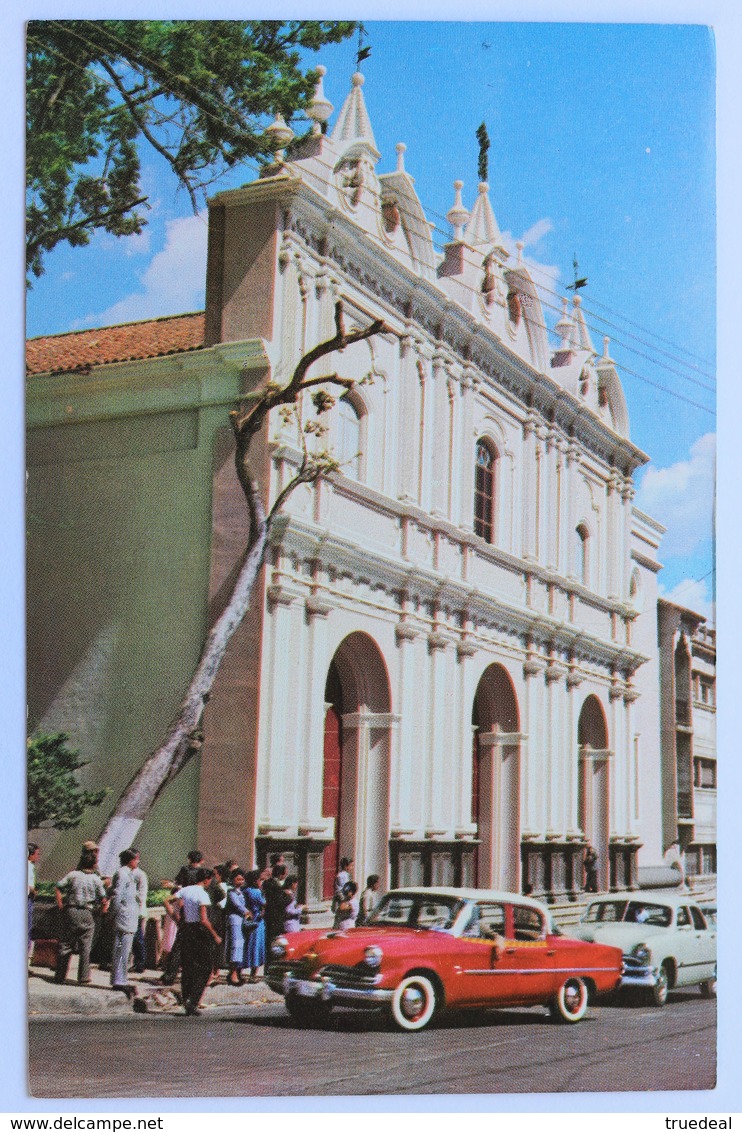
(530, 485)
(534, 713)
(438, 451)
(467, 387)
(409, 418)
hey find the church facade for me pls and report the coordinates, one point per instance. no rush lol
(450, 671)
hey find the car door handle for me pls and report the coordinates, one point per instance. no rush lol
(552, 951)
(510, 951)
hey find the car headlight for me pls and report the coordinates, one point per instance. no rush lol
(642, 954)
(279, 947)
(372, 957)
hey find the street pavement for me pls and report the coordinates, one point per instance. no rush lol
(47, 999)
(88, 1042)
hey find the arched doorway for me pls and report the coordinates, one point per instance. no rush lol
(496, 780)
(593, 781)
(355, 783)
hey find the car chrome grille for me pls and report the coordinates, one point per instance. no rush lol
(348, 977)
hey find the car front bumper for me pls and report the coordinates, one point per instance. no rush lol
(325, 990)
(636, 976)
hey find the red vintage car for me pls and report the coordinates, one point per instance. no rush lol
(425, 950)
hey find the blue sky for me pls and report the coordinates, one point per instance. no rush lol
(602, 144)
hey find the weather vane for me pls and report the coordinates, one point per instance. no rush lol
(362, 52)
(484, 144)
(578, 283)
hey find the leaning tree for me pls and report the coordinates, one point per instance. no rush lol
(184, 737)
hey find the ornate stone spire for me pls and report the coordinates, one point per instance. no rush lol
(320, 108)
(582, 335)
(457, 216)
(482, 227)
(353, 126)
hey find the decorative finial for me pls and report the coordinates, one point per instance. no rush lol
(400, 148)
(519, 247)
(281, 134)
(606, 344)
(484, 144)
(358, 79)
(319, 109)
(457, 216)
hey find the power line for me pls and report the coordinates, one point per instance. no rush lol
(327, 182)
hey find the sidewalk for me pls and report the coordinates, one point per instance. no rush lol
(47, 998)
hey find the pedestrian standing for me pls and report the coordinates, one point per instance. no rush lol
(348, 908)
(591, 869)
(293, 910)
(275, 902)
(255, 934)
(217, 913)
(79, 894)
(236, 914)
(197, 938)
(186, 876)
(33, 859)
(138, 947)
(369, 897)
(342, 877)
(124, 910)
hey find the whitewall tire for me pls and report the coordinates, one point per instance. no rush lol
(413, 1003)
(570, 1004)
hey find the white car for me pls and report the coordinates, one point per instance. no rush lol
(666, 941)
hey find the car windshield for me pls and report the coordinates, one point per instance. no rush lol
(630, 912)
(415, 910)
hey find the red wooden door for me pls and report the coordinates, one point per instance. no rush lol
(331, 795)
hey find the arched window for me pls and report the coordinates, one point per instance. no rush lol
(484, 491)
(349, 436)
(583, 554)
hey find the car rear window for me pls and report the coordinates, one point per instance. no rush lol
(639, 912)
(415, 911)
(527, 923)
(605, 912)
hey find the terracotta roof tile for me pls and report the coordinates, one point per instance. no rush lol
(131, 341)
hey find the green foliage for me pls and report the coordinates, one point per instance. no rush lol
(199, 92)
(54, 796)
(484, 144)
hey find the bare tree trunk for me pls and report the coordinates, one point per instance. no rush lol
(184, 738)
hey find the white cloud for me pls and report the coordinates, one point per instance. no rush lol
(692, 595)
(537, 232)
(682, 498)
(173, 283)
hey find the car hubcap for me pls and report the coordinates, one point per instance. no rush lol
(572, 997)
(413, 1002)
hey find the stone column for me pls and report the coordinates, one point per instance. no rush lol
(365, 795)
(466, 453)
(409, 428)
(410, 769)
(530, 485)
(314, 710)
(437, 451)
(533, 799)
